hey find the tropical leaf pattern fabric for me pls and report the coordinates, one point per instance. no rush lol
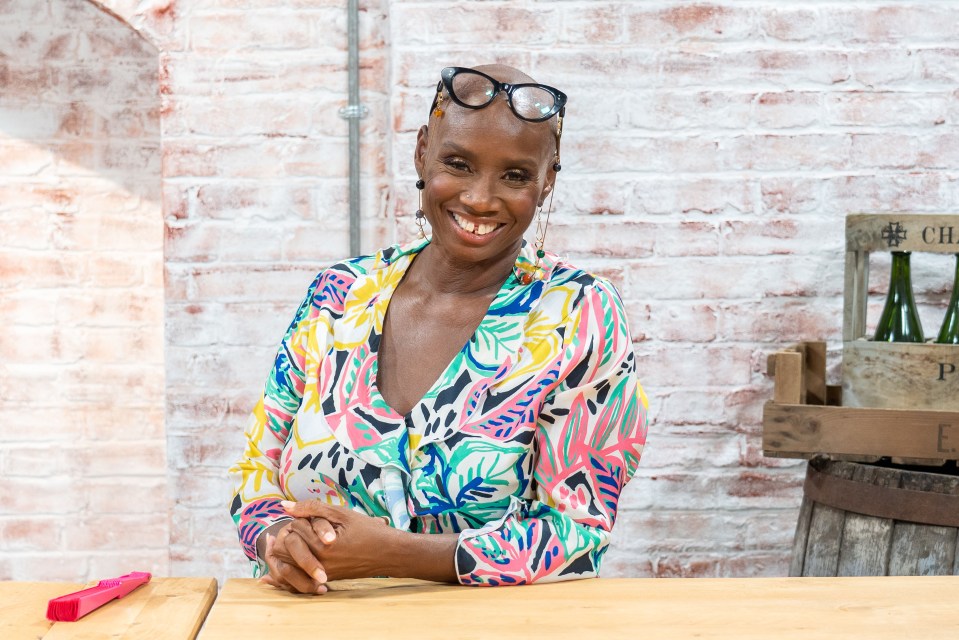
(522, 445)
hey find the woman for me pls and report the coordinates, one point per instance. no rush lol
(463, 408)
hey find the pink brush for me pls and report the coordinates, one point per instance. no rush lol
(74, 606)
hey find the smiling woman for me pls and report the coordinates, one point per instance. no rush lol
(463, 408)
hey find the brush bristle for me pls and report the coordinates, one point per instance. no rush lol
(63, 610)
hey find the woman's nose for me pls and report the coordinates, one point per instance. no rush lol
(480, 194)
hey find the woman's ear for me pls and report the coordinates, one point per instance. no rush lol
(548, 187)
(419, 153)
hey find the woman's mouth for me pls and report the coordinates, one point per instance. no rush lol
(476, 228)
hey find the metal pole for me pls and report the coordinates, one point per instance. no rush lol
(353, 112)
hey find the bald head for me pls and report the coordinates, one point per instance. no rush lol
(504, 73)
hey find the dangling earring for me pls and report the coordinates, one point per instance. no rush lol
(542, 223)
(438, 108)
(420, 216)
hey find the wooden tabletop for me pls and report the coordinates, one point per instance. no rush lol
(742, 608)
(163, 608)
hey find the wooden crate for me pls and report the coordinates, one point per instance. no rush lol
(806, 417)
(895, 375)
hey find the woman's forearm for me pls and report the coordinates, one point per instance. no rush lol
(426, 556)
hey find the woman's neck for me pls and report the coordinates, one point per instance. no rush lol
(442, 274)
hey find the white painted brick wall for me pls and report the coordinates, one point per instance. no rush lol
(711, 151)
(82, 439)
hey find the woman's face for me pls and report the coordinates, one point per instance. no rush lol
(486, 172)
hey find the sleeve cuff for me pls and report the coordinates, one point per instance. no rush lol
(260, 567)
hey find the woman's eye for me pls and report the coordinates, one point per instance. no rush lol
(517, 176)
(456, 163)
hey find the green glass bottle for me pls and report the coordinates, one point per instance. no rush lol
(949, 333)
(900, 320)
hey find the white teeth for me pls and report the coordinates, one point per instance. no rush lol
(477, 229)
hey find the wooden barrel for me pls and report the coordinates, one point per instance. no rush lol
(870, 520)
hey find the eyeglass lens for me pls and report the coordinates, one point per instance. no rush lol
(477, 91)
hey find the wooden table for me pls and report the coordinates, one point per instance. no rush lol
(163, 608)
(762, 608)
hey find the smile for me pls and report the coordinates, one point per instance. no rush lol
(473, 227)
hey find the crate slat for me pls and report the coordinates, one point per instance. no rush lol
(802, 431)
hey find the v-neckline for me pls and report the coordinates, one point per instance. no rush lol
(375, 342)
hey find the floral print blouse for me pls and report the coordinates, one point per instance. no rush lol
(522, 446)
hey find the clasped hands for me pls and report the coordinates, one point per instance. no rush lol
(322, 543)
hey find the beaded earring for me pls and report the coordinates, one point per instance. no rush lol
(420, 216)
(542, 223)
(438, 109)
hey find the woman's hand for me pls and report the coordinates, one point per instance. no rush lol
(336, 541)
(288, 554)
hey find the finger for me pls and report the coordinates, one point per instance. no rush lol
(323, 529)
(304, 559)
(310, 509)
(289, 575)
(268, 580)
(297, 580)
(313, 536)
(272, 577)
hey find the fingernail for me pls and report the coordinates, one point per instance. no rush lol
(319, 576)
(286, 504)
(321, 589)
(329, 536)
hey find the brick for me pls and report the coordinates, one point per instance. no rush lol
(213, 528)
(792, 24)
(690, 22)
(30, 534)
(716, 364)
(781, 322)
(42, 269)
(736, 489)
(262, 31)
(138, 421)
(882, 67)
(49, 566)
(247, 115)
(888, 108)
(688, 154)
(596, 23)
(22, 159)
(797, 152)
(782, 235)
(937, 65)
(912, 191)
(100, 382)
(701, 196)
(673, 321)
(146, 496)
(677, 110)
(121, 458)
(790, 194)
(670, 452)
(937, 151)
(233, 283)
(788, 109)
(777, 66)
(250, 72)
(116, 562)
(106, 532)
(316, 243)
(271, 158)
(467, 23)
(731, 278)
(33, 496)
(689, 405)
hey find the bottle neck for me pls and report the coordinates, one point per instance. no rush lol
(900, 283)
(955, 285)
